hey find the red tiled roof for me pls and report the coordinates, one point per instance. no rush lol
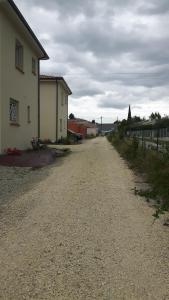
(83, 122)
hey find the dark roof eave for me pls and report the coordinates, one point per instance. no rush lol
(20, 16)
(68, 88)
(55, 78)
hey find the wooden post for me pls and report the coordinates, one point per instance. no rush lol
(157, 139)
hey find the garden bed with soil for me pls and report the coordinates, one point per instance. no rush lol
(39, 158)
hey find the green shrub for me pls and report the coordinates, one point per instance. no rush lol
(154, 165)
(90, 136)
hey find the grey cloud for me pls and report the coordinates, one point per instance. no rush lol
(154, 7)
(66, 8)
(86, 92)
(73, 7)
(101, 37)
(112, 103)
(102, 46)
(115, 44)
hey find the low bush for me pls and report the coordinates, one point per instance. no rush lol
(90, 136)
(65, 141)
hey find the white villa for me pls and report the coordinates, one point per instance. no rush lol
(54, 93)
(20, 53)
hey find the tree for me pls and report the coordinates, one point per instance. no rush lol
(136, 119)
(155, 116)
(129, 114)
(71, 116)
(122, 126)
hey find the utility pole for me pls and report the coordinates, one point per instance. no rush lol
(101, 123)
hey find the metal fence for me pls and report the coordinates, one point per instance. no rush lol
(157, 139)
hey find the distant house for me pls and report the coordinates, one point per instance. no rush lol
(20, 53)
(54, 93)
(106, 127)
(82, 126)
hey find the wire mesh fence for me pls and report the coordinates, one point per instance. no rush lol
(156, 139)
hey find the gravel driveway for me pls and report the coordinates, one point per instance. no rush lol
(80, 233)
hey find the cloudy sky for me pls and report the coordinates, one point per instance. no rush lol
(112, 53)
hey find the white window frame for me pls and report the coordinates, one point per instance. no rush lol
(28, 114)
(19, 55)
(34, 66)
(61, 125)
(13, 111)
(62, 100)
(66, 99)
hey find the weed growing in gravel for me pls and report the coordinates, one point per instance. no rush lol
(150, 194)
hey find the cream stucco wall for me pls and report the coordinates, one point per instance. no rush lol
(22, 87)
(48, 110)
(0, 81)
(52, 110)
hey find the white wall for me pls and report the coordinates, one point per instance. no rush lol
(19, 86)
(92, 131)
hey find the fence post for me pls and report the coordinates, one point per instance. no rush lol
(157, 139)
(142, 139)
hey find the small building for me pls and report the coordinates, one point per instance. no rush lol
(92, 130)
(20, 53)
(106, 128)
(54, 93)
(83, 127)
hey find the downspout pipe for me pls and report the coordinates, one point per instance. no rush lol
(39, 98)
(57, 109)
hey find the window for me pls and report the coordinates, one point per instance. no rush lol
(33, 66)
(66, 99)
(60, 125)
(62, 98)
(14, 111)
(65, 124)
(28, 114)
(19, 55)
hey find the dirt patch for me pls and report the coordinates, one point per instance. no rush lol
(34, 159)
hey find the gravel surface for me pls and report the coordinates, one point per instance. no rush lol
(76, 231)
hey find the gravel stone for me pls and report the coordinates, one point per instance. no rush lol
(76, 231)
